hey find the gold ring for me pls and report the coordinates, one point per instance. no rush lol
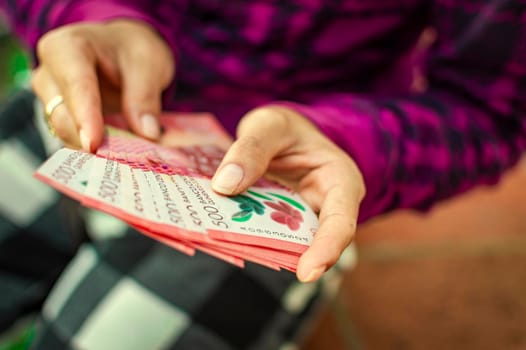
(49, 109)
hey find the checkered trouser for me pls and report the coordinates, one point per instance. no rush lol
(120, 289)
(133, 293)
(38, 236)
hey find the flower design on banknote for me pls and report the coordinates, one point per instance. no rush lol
(248, 206)
(285, 214)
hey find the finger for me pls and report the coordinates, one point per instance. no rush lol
(71, 62)
(61, 121)
(143, 82)
(262, 134)
(338, 219)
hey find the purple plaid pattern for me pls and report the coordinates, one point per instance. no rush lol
(346, 65)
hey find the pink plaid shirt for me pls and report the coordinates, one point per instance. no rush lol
(347, 66)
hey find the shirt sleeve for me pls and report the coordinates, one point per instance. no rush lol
(31, 19)
(466, 129)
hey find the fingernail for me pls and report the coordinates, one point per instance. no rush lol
(150, 126)
(227, 179)
(313, 275)
(84, 141)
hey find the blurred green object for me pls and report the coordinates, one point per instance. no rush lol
(20, 339)
(15, 64)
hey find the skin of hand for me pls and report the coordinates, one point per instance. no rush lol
(280, 142)
(102, 68)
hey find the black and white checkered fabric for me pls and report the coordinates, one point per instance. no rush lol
(120, 289)
(133, 293)
(37, 236)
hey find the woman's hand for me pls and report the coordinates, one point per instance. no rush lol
(279, 141)
(118, 66)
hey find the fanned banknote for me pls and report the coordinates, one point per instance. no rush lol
(163, 190)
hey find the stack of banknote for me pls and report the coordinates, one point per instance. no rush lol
(163, 190)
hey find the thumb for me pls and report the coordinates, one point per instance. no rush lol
(262, 134)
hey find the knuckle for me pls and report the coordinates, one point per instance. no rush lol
(79, 39)
(140, 53)
(332, 252)
(343, 223)
(276, 116)
(36, 80)
(252, 150)
(149, 97)
(75, 36)
(253, 145)
(79, 84)
(341, 219)
(44, 45)
(160, 65)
